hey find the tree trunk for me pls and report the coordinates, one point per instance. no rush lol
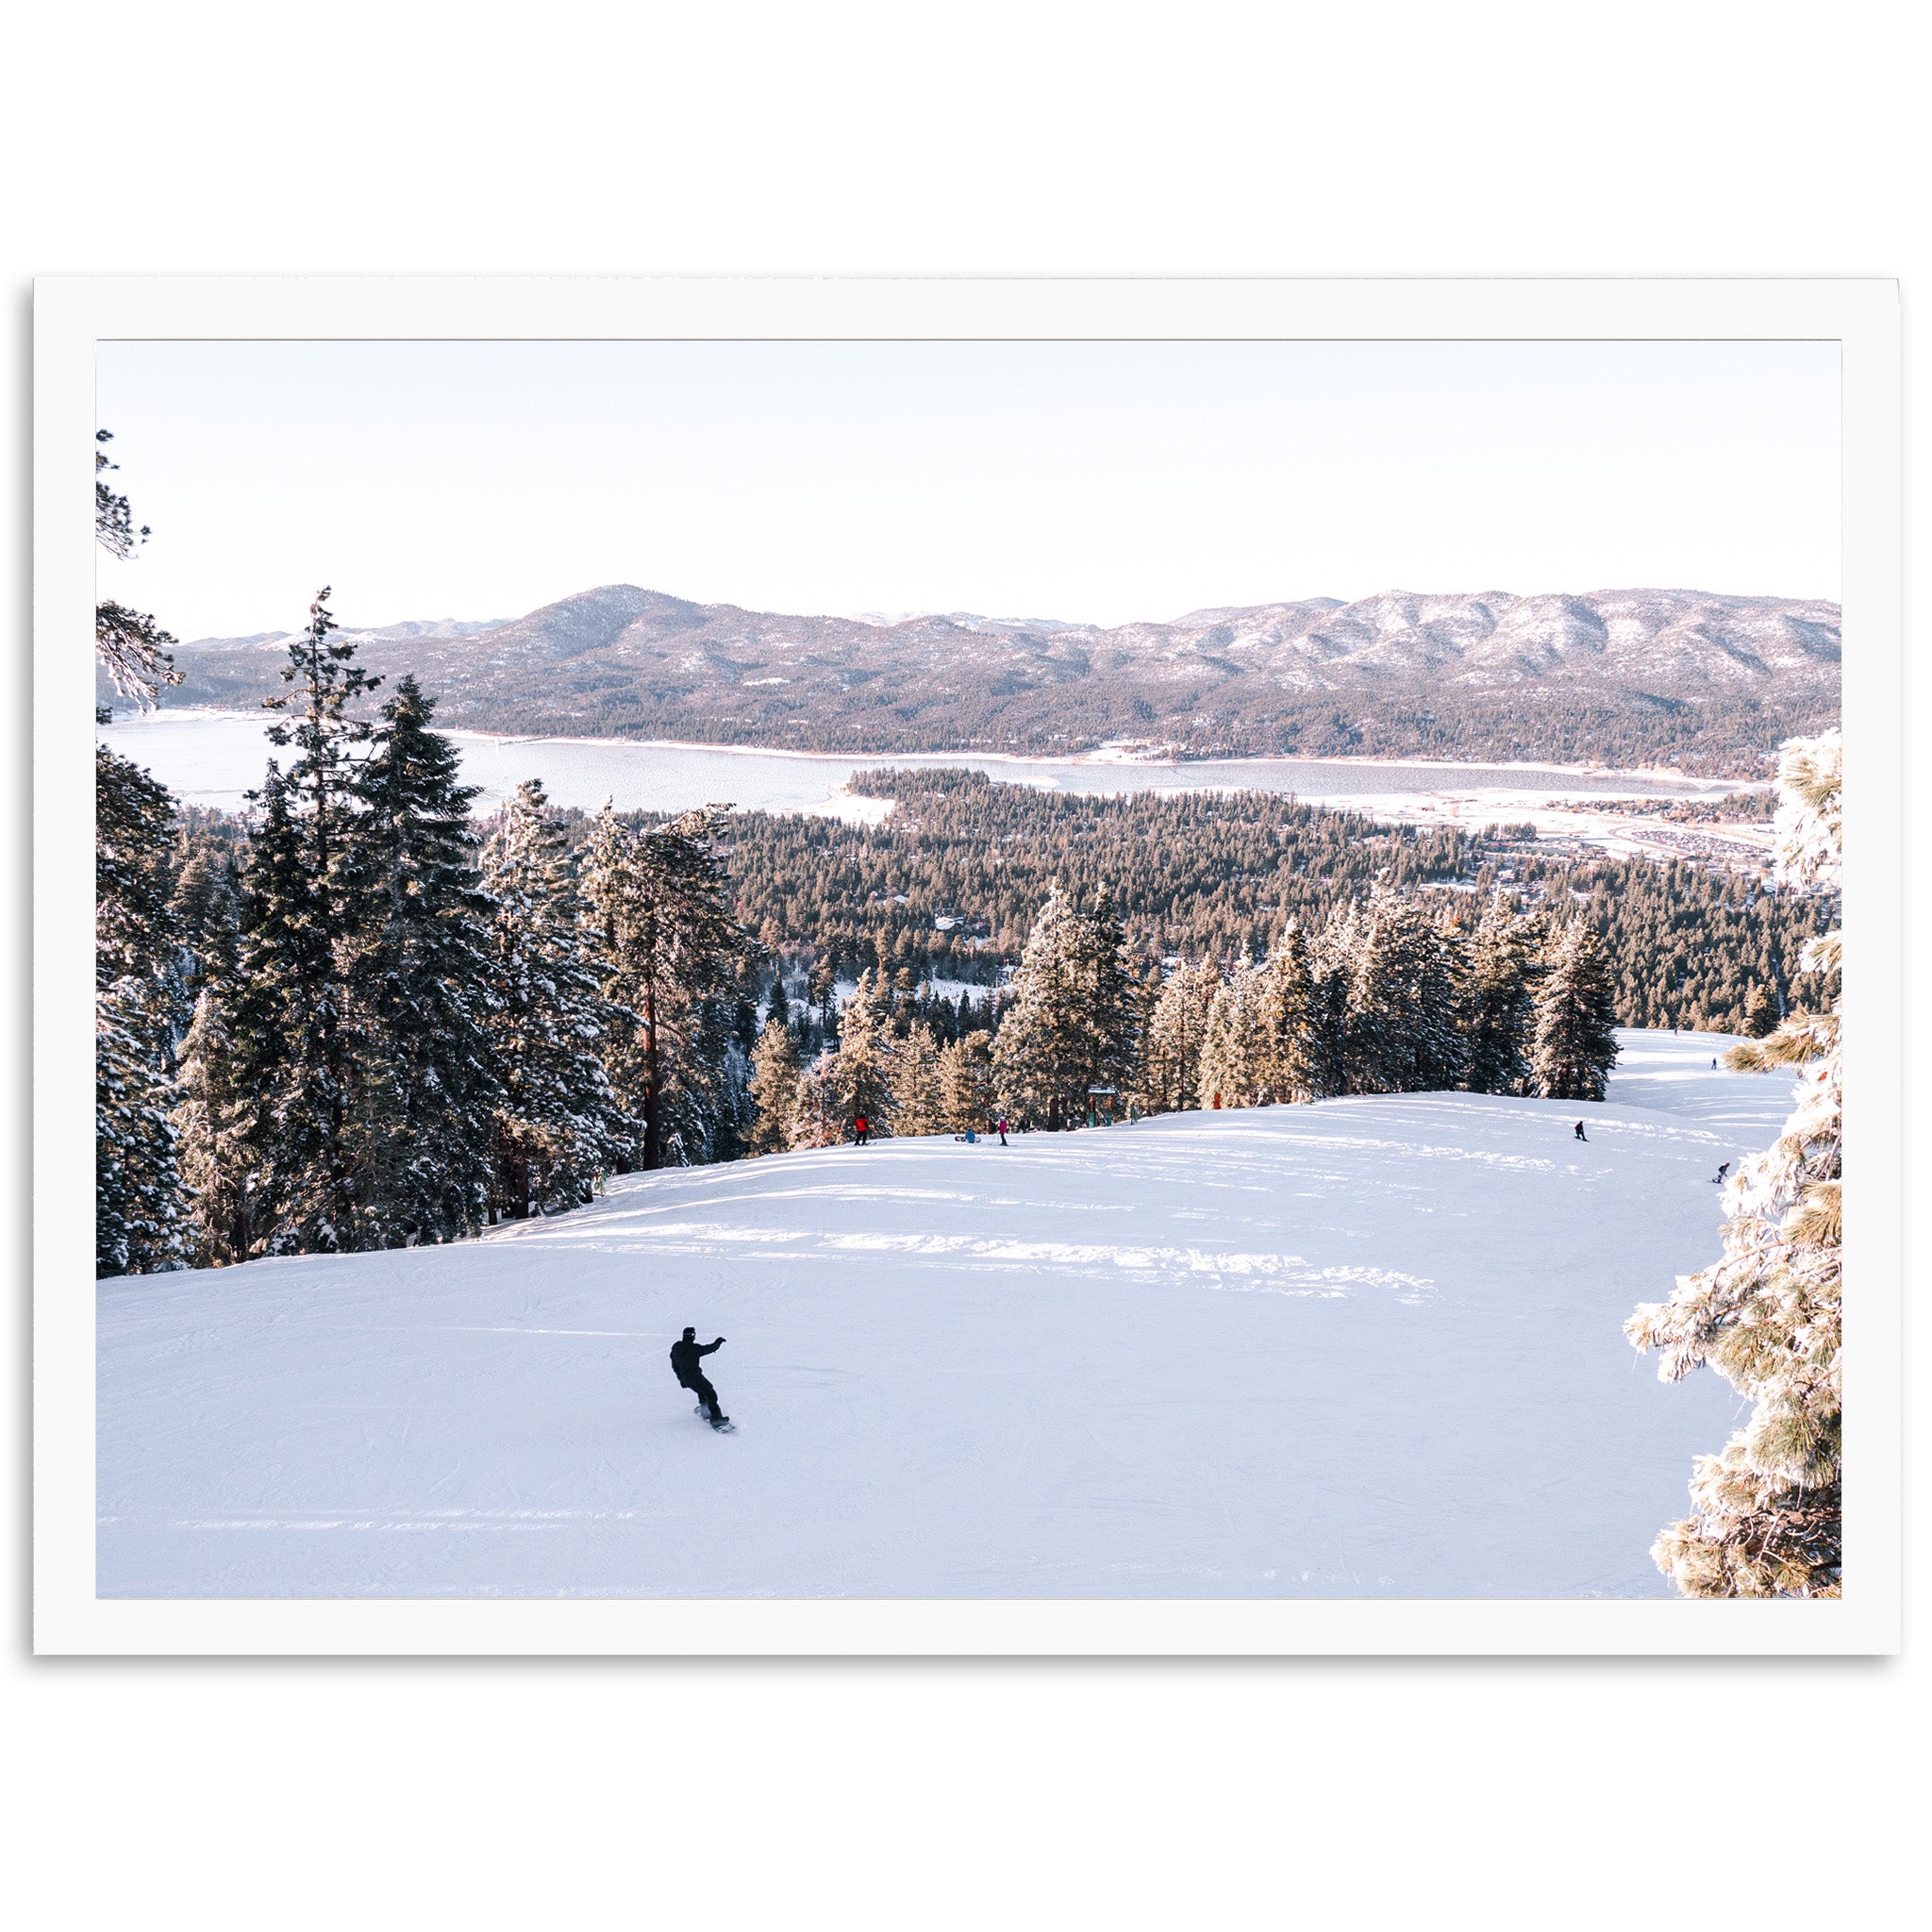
(653, 1112)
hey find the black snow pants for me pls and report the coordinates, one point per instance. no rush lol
(700, 1386)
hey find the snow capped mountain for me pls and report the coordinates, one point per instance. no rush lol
(1630, 673)
(385, 634)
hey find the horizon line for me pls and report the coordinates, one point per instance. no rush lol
(893, 620)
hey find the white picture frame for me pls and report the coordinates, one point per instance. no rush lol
(74, 315)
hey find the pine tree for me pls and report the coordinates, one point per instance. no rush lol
(1169, 1079)
(301, 924)
(816, 1120)
(136, 934)
(206, 909)
(235, 1056)
(823, 988)
(1500, 1004)
(1575, 1045)
(1769, 1317)
(712, 1105)
(1115, 1013)
(138, 1192)
(860, 1073)
(557, 1123)
(668, 951)
(1073, 1021)
(1231, 1047)
(1403, 1002)
(744, 1022)
(1375, 1044)
(918, 1095)
(1333, 969)
(220, 1121)
(774, 1089)
(1287, 1053)
(130, 646)
(966, 1082)
(422, 987)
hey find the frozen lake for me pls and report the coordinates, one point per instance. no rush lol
(212, 757)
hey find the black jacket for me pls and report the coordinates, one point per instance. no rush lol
(684, 1357)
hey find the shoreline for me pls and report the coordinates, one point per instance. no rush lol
(1095, 760)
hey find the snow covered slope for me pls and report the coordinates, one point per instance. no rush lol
(1370, 1348)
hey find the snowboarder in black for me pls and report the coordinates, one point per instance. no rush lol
(685, 1353)
(1580, 1134)
(1718, 1178)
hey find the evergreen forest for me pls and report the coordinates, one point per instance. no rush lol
(365, 1014)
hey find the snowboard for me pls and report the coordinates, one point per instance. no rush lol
(727, 1427)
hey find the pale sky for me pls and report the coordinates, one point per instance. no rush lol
(1086, 481)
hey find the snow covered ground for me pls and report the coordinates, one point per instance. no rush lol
(1370, 1348)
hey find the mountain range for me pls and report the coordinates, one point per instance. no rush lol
(1710, 682)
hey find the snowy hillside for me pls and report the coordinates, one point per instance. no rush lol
(1669, 638)
(1368, 1348)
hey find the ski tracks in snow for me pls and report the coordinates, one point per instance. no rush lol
(1093, 1260)
(1369, 1347)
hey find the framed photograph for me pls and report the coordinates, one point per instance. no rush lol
(986, 967)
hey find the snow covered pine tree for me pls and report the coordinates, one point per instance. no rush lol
(137, 1182)
(773, 1085)
(1169, 1079)
(207, 913)
(234, 1060)
(130, 646)
(138, 1197)
(1405, 987)
(1769, 1317)
(421, 986)
(860, 1076)
(1230, 1056)
(1575, 1044)
(556, 1122)
(301, 922)
(1074, 1023)
(966, 1083)
(918, 1098)
(220, 1120)
(669, 949)
(1501, 998)
(1286, 1053)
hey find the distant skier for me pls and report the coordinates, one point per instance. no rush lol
(1713, 1063)
(1003, 1130)
(1717, 1180)
(1580, 1134)
(860, 1126)
(685, 1355)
